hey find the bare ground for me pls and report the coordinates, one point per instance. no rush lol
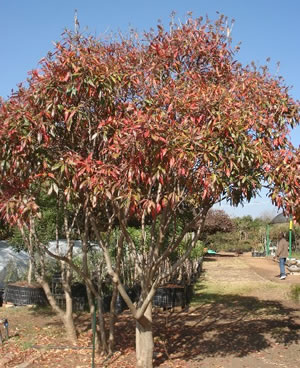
(242, 316)
(255, 322)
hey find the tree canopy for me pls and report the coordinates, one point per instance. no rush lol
(175, 114)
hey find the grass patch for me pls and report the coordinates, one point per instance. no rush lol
(25, 345)
(238, 296)
(230, 288)
(296, 254)
(222, 293)
(295, 293)
(45, 311)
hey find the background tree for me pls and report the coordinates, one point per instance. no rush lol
(245, 235)
(140, 128)
(218, 221)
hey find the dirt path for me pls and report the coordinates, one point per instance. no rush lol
(253, 321)
(259, 274)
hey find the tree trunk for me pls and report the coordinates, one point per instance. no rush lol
(144, 342)
(68, 318)
(30, 272)
(112, 319)
(85, 268)
(102, 326)
(70, 327)
(30, 250)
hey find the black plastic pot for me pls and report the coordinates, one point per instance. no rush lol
(133, 293)
(170, 297)
(120, 304)
(189, 291)
(106, 303)
(1, 296)
(24, 295)
(119, 307)
(258, 254)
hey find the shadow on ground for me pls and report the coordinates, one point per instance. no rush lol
(42, 311)
(226, 325)
(218, 326)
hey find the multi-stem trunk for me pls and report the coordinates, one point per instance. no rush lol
(112, 319)
(67, 277)
(144, 341)
(68, 319)
(30, 271)
(85, 269)
(68, 315)
(30, 251)
(102, 328)
(40, 275)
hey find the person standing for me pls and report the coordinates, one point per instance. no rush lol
(282, 252)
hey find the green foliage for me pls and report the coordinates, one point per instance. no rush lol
(229, 242)
(5, 231)
(277, 229)
(248, 223)
(248, 234)
(197, 251)
(296, 254)
(13, 273)
(45, 226)
(16, 240)
(136, 236)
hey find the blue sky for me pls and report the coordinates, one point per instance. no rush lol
(265, 28)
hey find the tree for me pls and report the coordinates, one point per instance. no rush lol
(142, 128)
(217, 221)
(244, 235)
(30, 232)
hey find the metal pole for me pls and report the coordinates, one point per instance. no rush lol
(290, 237)
(94, 335)
(5, 324)
(268, 240)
